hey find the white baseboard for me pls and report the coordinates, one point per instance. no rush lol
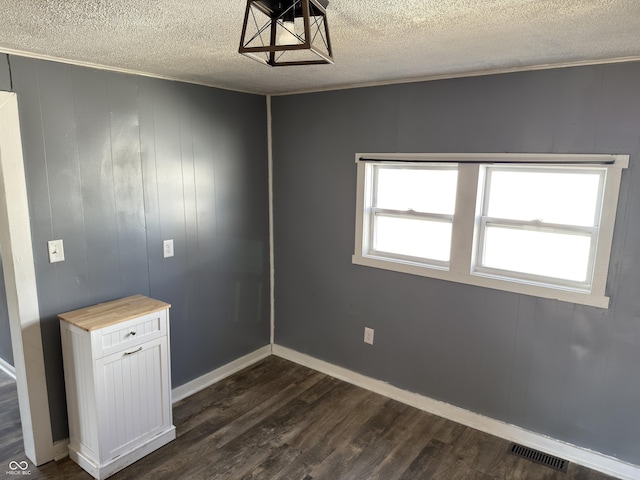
(513, 433)
(60, 449)
(200, 383)
(8, 368)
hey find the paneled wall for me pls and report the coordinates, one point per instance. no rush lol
(555, 368)
(116, 164)
(5, 77)
(6, 351)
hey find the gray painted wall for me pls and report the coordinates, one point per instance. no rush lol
(117, 163)
(5, 77)
(555, 368)
(6, 351)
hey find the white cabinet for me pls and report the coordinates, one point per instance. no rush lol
(118, 382)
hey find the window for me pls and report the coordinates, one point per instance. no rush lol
(540, 224)
(411, 212)
(534, 224)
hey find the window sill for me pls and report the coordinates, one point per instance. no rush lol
(589, 299)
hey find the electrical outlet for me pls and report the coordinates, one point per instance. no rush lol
(368, 335)
(167, 248)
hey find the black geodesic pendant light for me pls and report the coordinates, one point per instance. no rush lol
(286, 32)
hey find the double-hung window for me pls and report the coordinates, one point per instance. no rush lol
(411, 213)
(533, 224)
(540, 224)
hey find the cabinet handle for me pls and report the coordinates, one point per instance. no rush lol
(135, 351)
(132, 333)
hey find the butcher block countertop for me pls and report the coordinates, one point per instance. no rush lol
(110, 313)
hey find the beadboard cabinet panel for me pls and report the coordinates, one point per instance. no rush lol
(132, 409)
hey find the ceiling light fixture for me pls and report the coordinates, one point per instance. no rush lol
(286, 32)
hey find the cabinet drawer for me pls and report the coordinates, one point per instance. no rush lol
(124, 335)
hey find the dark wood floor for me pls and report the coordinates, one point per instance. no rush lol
(278, 420)
(10, 429)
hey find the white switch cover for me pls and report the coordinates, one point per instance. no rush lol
(167, 248)
(368, 335)
(56, 251)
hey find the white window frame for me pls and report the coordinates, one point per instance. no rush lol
(482, 220)
(464, 241)
(373, 211)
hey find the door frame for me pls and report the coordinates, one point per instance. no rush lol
(21, 287)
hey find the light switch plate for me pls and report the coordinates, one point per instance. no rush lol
(167, 248)
(368, 335)
(56, 251)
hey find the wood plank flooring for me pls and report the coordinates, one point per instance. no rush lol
(280, 421)
(10, 429)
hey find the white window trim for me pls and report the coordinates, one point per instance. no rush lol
(377, 211)
(462, 241)
(593, 232)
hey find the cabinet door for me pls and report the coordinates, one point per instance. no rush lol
(134, 401)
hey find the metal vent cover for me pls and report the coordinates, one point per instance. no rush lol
(539, 457)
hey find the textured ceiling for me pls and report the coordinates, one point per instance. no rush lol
(374, 41)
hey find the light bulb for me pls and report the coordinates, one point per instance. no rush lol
(286, 33)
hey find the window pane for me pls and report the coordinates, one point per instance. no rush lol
(557, 255)
(428, 190)
(551, 197)
(416, 238)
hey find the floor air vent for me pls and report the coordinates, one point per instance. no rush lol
(539, 457)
